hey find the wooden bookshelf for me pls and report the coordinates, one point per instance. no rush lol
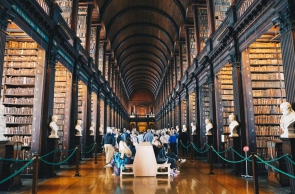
(82, 106)
(203, 26)
(66, 7)
(62, 103)
(221, 7)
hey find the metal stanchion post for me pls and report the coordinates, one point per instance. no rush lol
(95, 153)
(77, 160)
(35, 173)
(211, 161)
(254, 170)
(192, 154)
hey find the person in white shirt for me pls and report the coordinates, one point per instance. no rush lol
(164, 139)
(140, 137)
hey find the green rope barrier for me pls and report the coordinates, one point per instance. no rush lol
(225, 150)
(276, 169)
(233, 162)
(59, 163)
(184, 145)
(89, 150)
(87, 146)
(13, 160)
(49, 153)
(67, 150)
(290, 159)
(201, 152)
(201, 147)
(17, 172)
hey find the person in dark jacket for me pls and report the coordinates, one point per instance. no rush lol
(184, 138)
(109, 146)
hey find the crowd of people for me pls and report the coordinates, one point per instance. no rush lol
(120, 146)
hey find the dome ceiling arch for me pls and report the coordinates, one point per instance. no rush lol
(142, 37)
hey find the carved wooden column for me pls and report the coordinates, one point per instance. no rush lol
(211, 16)
(88, 27)
(180, 60)
(211, 85)
(239, 110)
(187, 98)
(98, 28)
(87, 139)
(48, 145)
(104, 59)
(286, 21)
(175, 69)
(196, 28)
(74, 18)
(187, 43)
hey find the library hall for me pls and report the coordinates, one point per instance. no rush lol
(147, 96)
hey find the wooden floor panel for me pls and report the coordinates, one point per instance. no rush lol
(193, 179)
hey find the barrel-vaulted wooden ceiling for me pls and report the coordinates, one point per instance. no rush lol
(143, 36)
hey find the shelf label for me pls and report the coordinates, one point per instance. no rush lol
(31, 23)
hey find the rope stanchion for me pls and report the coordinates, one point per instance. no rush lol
(254, 172)
(17, 172)
(222, 152)
(211, 161)
(95, 153)
(77, 161)
(59, 163)
(35, 174)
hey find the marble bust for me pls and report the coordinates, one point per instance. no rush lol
(233, 126)
(177, 128)
(194, 129)
(2, 123)
(91, 129)
(101, 129)
(184, 128)
(287, 120)
(209, 126)
(78, 128)
(54, 127)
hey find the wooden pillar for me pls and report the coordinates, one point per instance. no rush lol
(180, 61)
(109, 70)
(98, 28)
(74, 102)
(46, 147)
(196, 28)
(188, 50)
(287, 30)
(105, 115)
(74, 19)
(211, 85)
(104, 59)
(187, 111)
(211, 16)
(97, 119)
(175, 69)
(179, 111)
(88, 27)
(3, 27)
(87, 139)
(239, 109)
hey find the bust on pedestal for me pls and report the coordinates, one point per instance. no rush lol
(78, 128)
(194, 129)
(184, 128)
(287, 120)
(2, 123)
(177, 128)
(233, 126)
(54, 127)
(209, 126)
(91, 129)
(101, 129)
